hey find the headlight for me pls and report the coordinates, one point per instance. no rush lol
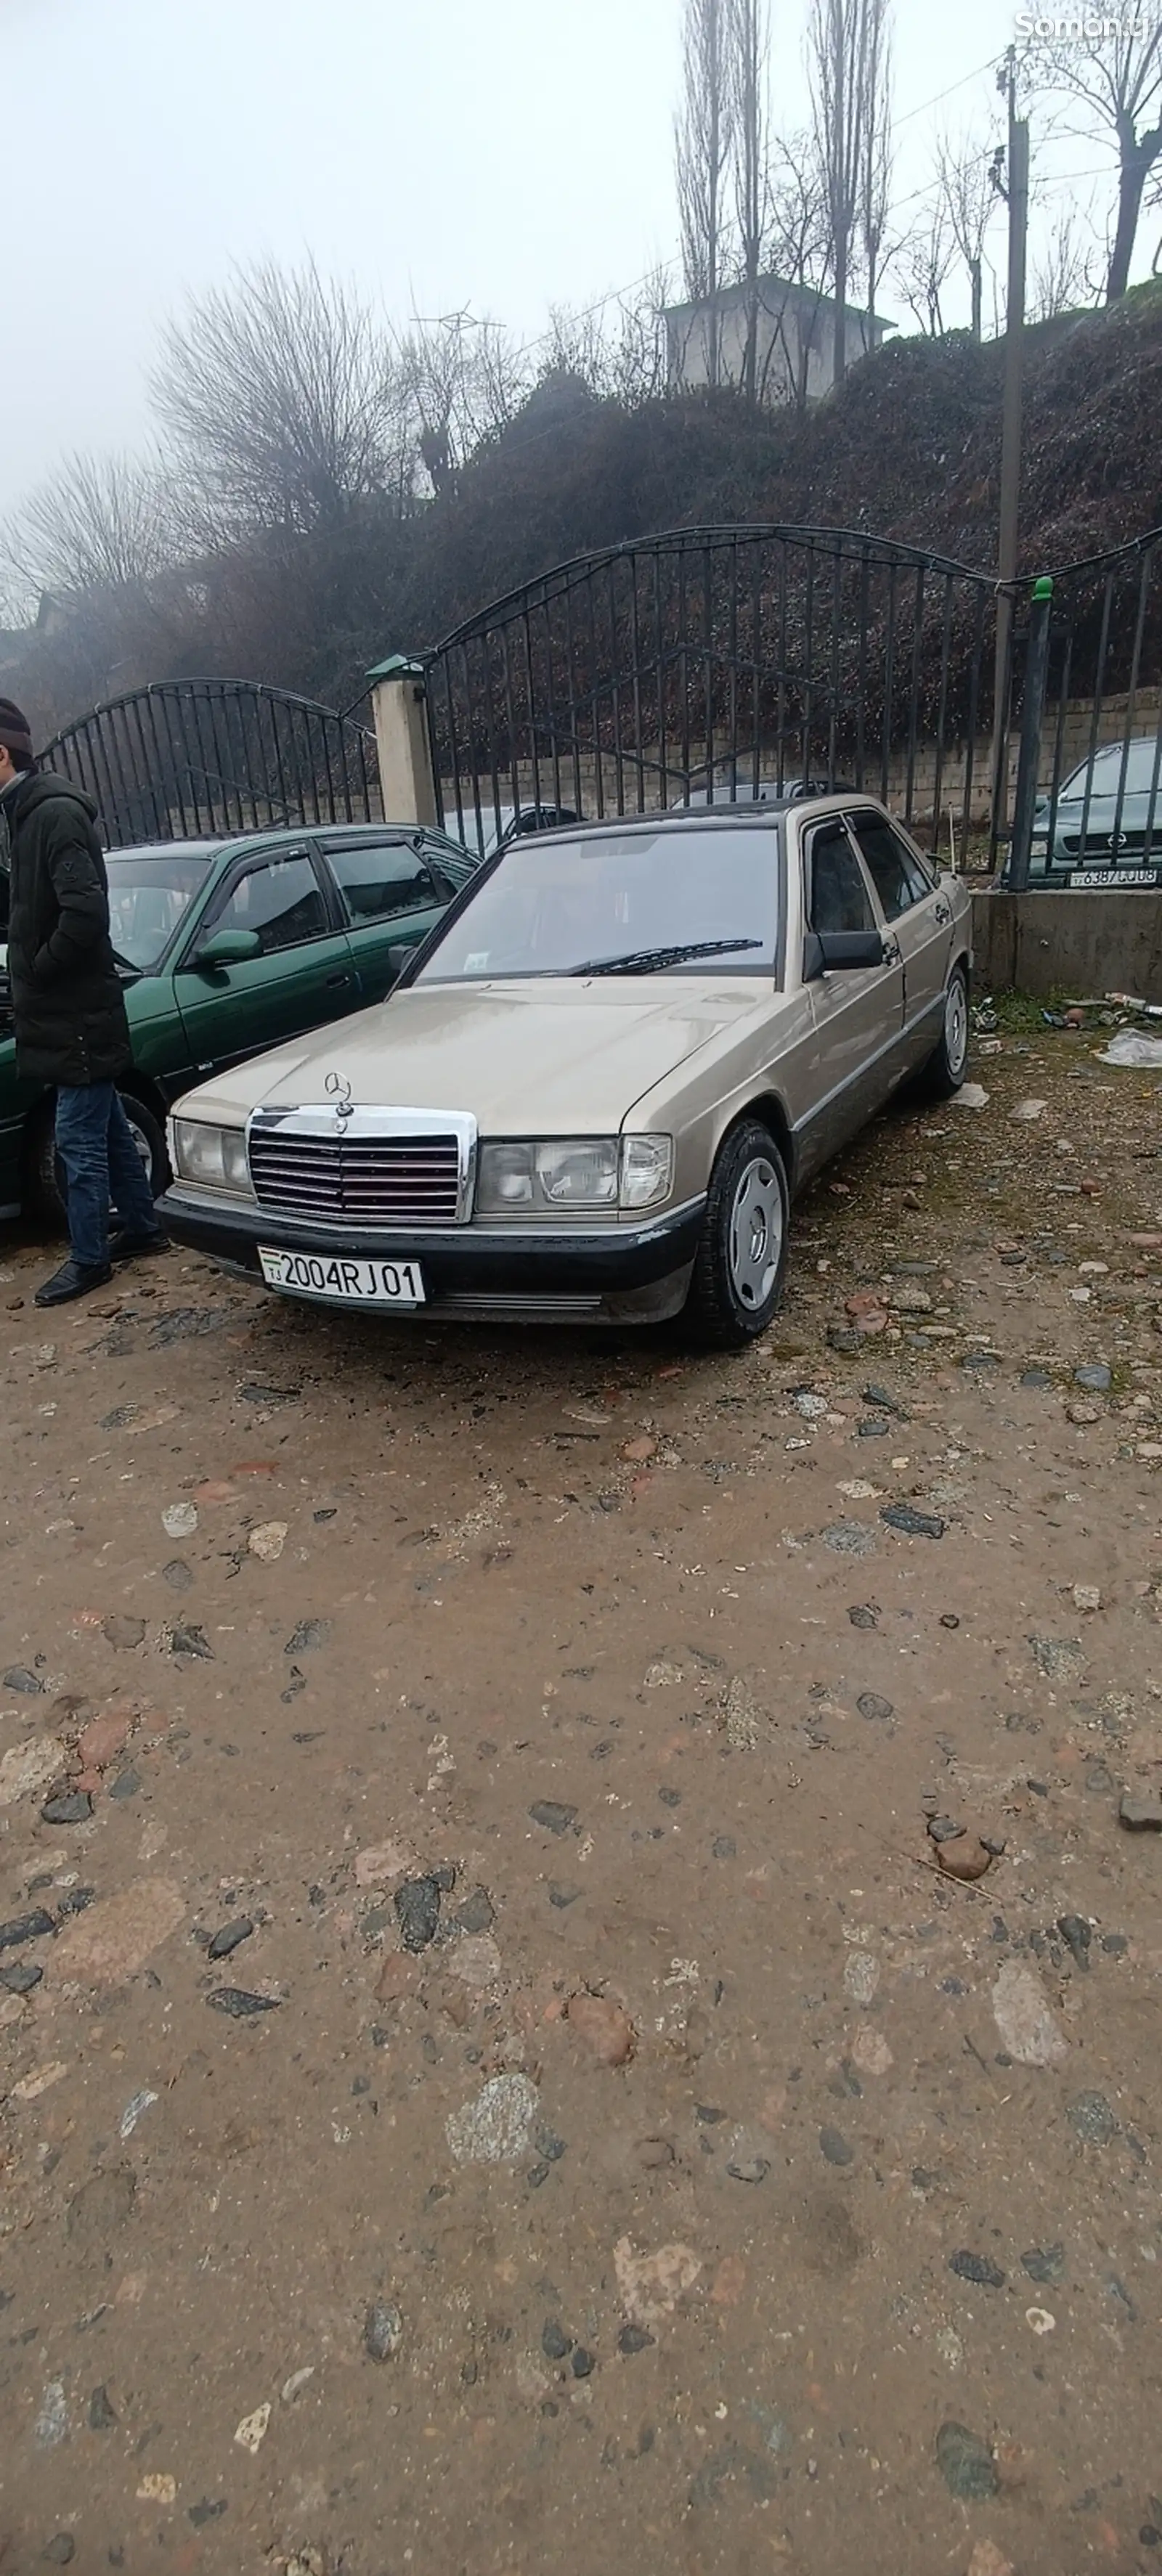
(214, 1157)
(573, 1172)
(1038, 845)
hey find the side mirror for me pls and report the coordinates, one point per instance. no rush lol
(828, 952)
(226, 948)
(399, 955)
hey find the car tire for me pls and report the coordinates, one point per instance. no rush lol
(943, 1075)
(742, 1256)
(46, 1185)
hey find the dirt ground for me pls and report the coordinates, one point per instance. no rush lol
(604, 2138)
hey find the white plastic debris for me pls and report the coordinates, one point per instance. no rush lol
(251, 2432)
(133, 2111)
(1131, 1048)
(971, 1095)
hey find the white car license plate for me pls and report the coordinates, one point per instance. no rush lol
(349, 1282)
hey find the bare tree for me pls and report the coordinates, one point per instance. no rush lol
(1064, 269)
(924, 261)
(748, 50)
(964, 172)
(463, 381)
(100, 524)
(1112, 67)
(849, 64)
(876, 151)
(278, 392)
(800, 254)
(702, 142)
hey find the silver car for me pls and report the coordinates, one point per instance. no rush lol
(600, 1082)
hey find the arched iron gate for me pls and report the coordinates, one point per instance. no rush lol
(706, 662)
(194, 759)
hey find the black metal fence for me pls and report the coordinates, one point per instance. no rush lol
(711, 663)
(192, 759)
(1096, 750)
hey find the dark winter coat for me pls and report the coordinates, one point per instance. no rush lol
(66, 993)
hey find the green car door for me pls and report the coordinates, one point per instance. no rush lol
(392, 892)
(268, 960)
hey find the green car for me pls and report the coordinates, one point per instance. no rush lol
(231, 947)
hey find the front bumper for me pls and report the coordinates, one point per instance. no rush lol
(616, 1274)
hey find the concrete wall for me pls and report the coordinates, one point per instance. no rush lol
(1079, 945)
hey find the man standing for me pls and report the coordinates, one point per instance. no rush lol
(69, 1010)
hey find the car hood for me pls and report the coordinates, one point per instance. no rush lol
(522, 1058)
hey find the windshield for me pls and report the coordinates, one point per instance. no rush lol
(1139, 759)
(148, 897)
(668, 902)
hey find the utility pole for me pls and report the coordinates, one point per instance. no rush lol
(1014, 187)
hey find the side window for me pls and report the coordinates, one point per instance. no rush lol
(895, 871)
(281, 899)
(837, 895)
(382, 880)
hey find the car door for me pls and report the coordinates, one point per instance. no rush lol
(300, 974)
(919, 916)
(390, 894)
(857, 1013)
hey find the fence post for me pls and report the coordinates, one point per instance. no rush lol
(1032, 711)
(398, 700)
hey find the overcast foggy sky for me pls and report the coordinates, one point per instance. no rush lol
(495, 154)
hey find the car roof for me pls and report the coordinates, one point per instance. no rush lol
(749, 817)
(276, 833)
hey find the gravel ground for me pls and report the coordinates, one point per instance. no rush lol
(494, 2068)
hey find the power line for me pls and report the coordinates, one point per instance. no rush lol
(942, 94)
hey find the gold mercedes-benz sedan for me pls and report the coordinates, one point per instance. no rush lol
(602, 1079)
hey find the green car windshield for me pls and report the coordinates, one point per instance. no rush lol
(150, 892)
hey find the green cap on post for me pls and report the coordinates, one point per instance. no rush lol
(1043, 586)
(398, 666)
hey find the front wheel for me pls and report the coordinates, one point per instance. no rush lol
(943, 1075)
(742, 1255)
(46, 1180)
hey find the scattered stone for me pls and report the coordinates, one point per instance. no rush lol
(1058, 1659)
(230, 1937)
(836, 2147)
(849, 1538)
(177, 1574)
(417, 1906)
(103, 1738)
(1037, 1377)
(1090, 2116)
(375, 1867)
(179, 1520)
(634, 2339)
(477, 1914)
(294, 2386)
(135, 2110)
(72, 1807)
(200, 2514)
(251, 2432)
(127, 1784)
(966, 2463)
(308, 1637)
(911, 1301)
(861, 1616)
(724, 1847)
(20, 1978)
(883, 1402)
(556, 2345)
(61, 2550)
(18, 1678)
(382, 2330)
(25, 1927)
(752, 2169)
(986, 2560)
(553, 1815)
(914, 1524)
(966, 1858)
(811, 1406)
(190, 1641)
(267, 1541)
(1141, 1815)
(1094, 1376)
(102, 2414)
(1044, 2263)
(1086, 1597)
(115, 1937)
(650, 2285)
(159, 2487)
(861, 1976)
(1027, 1112)
(1077, 1935)
(654, 2154)
(562, 1897)
(240, 2005)
(971, 1095)
(605, 2028)
(26, 1768)
(1023, 2018)
(123, 1632)
(662, 1677)
(497, 2127)
(1082, 1415)
(52, 2418)
(743, 1716)
(583, 2363)
(976, 2267)
(871, 1706)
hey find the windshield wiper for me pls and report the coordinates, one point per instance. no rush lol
(651, 961)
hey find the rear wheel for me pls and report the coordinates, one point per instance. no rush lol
(742, 1256)
(46, 1180)
(945, 1070)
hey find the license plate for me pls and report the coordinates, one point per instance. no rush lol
(1100, 879)
(343, 1281)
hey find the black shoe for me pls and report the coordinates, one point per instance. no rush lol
(124, 1246)
(75, 1279)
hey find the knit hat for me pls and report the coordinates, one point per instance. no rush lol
(15, 730)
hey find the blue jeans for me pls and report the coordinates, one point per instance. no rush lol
(95, 1144)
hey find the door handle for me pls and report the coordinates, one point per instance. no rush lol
(343, 977)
